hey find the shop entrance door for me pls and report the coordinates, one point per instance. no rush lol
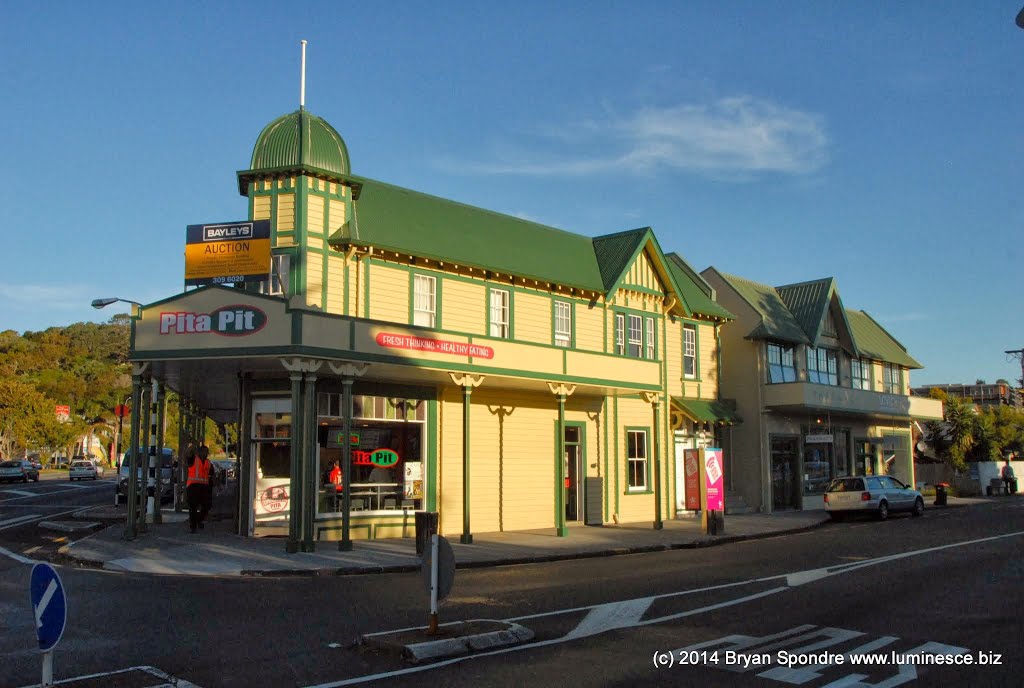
(574, 474)
(785, 473)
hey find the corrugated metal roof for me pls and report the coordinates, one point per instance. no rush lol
(696, 294)
(278, 145)
(406, 221)
(875, 343)
(615, 252)
(807, 302)
(776, 320)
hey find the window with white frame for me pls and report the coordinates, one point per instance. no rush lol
(424, 301)
(277, 281)
(649, 341)
(500, 313)
(636, 336)
(636, 459)
(620, 334)
(781, 364)
(822, 366)
(892, 381)
(689, 351)
(860, 371)
(563, 323)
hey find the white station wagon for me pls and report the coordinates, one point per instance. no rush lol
(877, 494)
(83, 470)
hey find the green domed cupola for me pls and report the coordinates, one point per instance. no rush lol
(298, 141)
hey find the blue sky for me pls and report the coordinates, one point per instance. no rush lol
(878, 143)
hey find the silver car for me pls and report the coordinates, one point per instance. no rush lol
(18, 470)
(871, 494)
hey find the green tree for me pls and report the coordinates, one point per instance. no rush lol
(26, 416)
(960, 429)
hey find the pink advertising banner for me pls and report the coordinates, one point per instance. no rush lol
(714, 487)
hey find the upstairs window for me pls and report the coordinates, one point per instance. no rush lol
(563, 323)
(781, 364)
(636, 336)
(892, 381)
(500, 313)
(620, 334)
(822, 366)
(277, 282)
(424, 301)
(860, 370)
(689, 352)
(649, 334)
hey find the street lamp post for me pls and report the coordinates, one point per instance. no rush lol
(103, 303)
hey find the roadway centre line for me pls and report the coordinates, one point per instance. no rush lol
(21, 492)
(26, 521)
(49, 493)
(617, 620)
(18, 519)
(17, 557)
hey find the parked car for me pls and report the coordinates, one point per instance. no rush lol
(879, 495)
(226, 470)
(83, 470)
(18, 470)
(167, 475)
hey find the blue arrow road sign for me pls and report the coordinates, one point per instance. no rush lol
(48, 605)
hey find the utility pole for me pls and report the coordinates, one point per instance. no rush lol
(1019, 353)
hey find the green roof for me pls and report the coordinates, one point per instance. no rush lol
(297, 141)
(777, 322)
(807, 302)
(697, 293)
(396, 219)
(615, 253)
(875, 343)
(722, 411)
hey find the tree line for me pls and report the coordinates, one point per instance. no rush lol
(969, 435)
(83, 366)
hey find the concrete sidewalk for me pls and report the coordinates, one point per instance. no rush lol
(168, 548)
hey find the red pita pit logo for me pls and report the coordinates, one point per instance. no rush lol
(228, 321)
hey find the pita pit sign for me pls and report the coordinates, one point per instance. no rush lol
(228, 321)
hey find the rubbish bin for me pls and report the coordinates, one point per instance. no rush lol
(940, 494)
(426, 525)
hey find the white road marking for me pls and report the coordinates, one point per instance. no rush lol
(17, 557)
(168, 680)
(615, 614)
(50, 493)
(23, 520)
(609, 616)
(18, 519)
(22, 492)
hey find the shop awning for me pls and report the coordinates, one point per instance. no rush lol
(719, 411)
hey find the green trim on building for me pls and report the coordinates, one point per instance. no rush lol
(615, 455)
(606, 481)
(432, 444)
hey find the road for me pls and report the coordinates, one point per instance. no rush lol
(948, 584)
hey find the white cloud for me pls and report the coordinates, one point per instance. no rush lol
(42, 296)
(730, 138)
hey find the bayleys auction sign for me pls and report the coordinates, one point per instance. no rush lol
(227, 253)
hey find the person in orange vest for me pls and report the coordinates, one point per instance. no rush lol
(334, 477)
(198, 488)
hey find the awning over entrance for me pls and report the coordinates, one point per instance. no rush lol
(719, 411)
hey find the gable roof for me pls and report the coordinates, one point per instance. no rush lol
(776, 320)
(616, 252)
(874, 342)
(807, 302)
(699, 295)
